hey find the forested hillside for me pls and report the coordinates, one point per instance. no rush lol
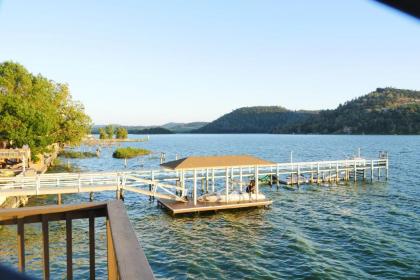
(384, 111)
(261, 119)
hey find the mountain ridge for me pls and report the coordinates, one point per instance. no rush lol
(383, 111)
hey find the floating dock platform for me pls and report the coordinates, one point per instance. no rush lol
(177, 207)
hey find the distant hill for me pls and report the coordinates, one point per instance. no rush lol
(261, 119)
(152, 130)
(184, 127)
(172, 127)
(384, 111)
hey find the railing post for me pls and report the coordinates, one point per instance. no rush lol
(112, 264)
(117, 192)
(79, 187)
(38, 184)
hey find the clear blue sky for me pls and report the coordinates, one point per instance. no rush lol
(151, 62)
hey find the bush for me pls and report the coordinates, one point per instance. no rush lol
(129, 152)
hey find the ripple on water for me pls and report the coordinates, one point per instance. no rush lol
(345, 231)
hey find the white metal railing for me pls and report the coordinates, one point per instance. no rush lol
(159, 180)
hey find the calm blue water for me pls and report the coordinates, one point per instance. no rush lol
(354, 231)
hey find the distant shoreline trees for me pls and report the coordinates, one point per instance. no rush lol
(37, 111)
(108, 132)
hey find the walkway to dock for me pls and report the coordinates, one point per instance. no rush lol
(177, 185)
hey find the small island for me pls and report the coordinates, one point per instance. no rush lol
(129, 152)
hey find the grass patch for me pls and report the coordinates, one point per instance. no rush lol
(58, 166)
(129, 152)
(74, 154)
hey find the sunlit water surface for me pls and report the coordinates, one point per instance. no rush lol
(353, 231)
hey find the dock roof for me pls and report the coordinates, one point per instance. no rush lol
(201, 162)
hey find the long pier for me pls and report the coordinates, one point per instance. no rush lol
(175, 185)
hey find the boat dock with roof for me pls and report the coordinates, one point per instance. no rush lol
(213, 200)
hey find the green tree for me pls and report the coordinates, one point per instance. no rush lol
(121, 133)
(102, 134)
(109, 129)
(37, 111)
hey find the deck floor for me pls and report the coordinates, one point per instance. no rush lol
(176, 207)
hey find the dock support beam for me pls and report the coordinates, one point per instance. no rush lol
(212, 180)
(256, 183)
(240, 179)
(195, 187)
(227, 185)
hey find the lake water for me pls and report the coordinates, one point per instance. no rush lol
(353, 231)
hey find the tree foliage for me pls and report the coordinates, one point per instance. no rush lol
(37, 111)
(121, 133)
(109, 130)
(102, 133)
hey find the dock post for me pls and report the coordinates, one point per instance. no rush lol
(91, 196)
(212, 180)
(355, 171)
(257, 184)
(337, 177)
(207, 180)
(278, 176)
(152, 185)
(298, 175)
(227, 185)
(330, 173)
(59, 198)
(371, 170)
(195, 187)
(379, 172)
(271, 176)
(386, 167)
(317, 174)
(183, 182)
(240, 179)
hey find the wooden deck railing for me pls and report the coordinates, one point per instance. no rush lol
(125, 257)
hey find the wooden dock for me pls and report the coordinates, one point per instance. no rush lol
(176, 207)
(185, 185)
